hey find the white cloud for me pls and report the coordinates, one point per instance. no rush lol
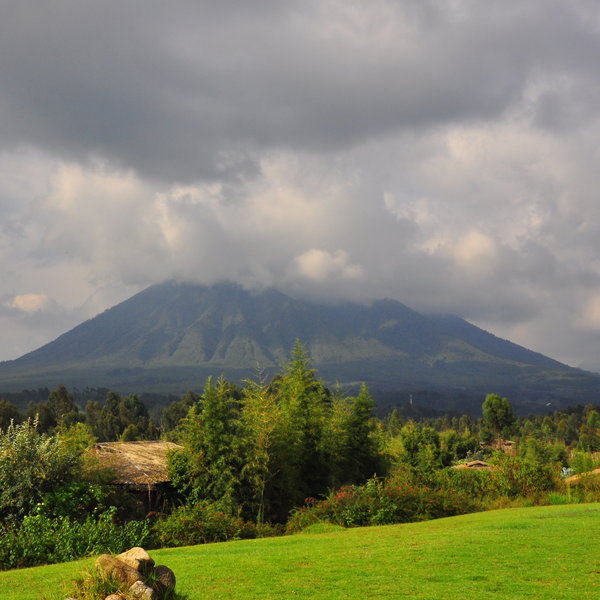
(29, 302)
(320, 265)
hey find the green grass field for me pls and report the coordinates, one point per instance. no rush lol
(540, 553)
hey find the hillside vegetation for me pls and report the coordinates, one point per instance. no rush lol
(542, 553)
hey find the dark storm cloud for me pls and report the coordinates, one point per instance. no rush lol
(186, 90)
(443, 153)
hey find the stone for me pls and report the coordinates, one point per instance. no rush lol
(140, 591)
(117, 569)
(164, 579)
(138, 559)
(115, 597)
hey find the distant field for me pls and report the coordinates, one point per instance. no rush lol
(542, 553)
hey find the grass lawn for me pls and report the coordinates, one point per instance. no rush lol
(542, 553)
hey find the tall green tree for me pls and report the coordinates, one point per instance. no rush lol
(305, 404)
(358, 456)
(261, 423)
(62, 406)
(498, 414)
(209, 466)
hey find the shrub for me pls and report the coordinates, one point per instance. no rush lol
(39, 539)
(398, 499)
(513, 477)
(582, 462)
(75, 500)
(587, 489)
(201, 523)
(31, 464)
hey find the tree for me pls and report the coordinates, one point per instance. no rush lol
(497, 414)
(110, 422)
(9, 413)
(209, 466)
(261, 422)
(420, 447)
(305, 404)
(31, 464)
(62, 407)
(178, 410)
(362, 458)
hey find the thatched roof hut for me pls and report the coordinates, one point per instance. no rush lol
(137, 465)
(474, 465)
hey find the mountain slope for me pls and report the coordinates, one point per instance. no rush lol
(174, 334)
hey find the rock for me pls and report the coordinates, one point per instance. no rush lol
(117, 569)
(164, 579)
(115, 597)
(140, 591)
(138, 559)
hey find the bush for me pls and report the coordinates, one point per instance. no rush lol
(399, 499)
(201, 523)
(31, 464)
(513, 477)
(39, 539)
(76, 500)
(582, 462)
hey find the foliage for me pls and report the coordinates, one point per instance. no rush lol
(9, 413)
(210, 464)
(120, 417)
(31, 465)
(263, 449)
(581, 462)
(398, 499)
(201, 523)
(76, 500)
(497, 413)
(39, 539)
(512, 476)
(261, 426)
(416, 447)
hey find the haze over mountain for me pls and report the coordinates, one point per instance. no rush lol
(171, 336)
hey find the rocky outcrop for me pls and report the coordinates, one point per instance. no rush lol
(117, 569)
(164, 578)
(136, 576)
(138, 559)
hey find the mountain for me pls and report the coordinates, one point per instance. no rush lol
(171, 336)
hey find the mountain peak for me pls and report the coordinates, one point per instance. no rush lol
(173, 332)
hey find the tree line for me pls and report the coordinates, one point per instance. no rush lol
(252, 455)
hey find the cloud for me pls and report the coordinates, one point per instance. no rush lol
(197, 90)
(444, 154)
(29, 302)
(319, 265)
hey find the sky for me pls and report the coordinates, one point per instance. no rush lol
(443, 153)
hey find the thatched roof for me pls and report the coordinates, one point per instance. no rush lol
(475, 465)
(135, 463)
(575, 479)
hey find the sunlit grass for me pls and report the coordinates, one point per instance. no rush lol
(542, 553)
